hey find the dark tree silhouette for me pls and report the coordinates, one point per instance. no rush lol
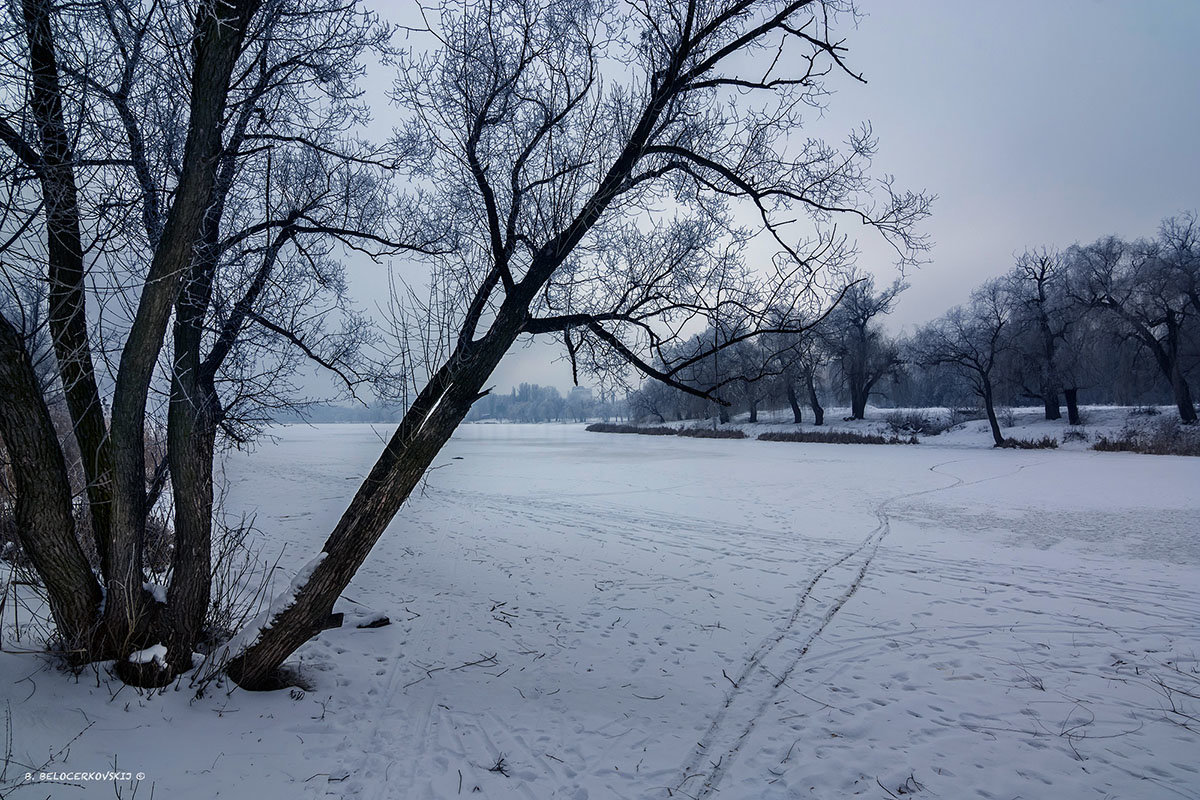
(555, 179)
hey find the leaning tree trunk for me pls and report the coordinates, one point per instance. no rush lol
(814, 401)
(45, 524)
(1183, 394)
(424, 430)
(990, 406)
(1072, 397)
(797, 417)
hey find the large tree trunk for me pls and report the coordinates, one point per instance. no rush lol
(1183, 394)
(45, 524)
(191, 440)
(424, 430)
(858, 402)
(219, 30)
(723, 414)
(64, 251)
(754, 409)
(1166, 355)
(814, 401)
(1072, 397)
(1050, 401)
(1049, 373)
(797, 417)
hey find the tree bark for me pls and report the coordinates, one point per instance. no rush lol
(192, 418)
(64, 250)
(1072, 397)
(858, 402)
(219, 30)
(1049, 374)
(754, 409)
(1050, 401)
(45, 523)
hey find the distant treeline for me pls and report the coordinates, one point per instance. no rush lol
(530, 402)
(1114, 321)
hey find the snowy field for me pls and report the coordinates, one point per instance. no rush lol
(582, 615)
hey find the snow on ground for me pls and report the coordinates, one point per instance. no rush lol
(605, 616)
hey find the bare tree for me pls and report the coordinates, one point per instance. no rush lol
(973, 341)
(1045, 314)
(1179, 254)
(861, 349)
(113, 455)
(553, 135)
(237, 200)
(1138, 284)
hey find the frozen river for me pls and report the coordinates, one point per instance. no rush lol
(580, 615)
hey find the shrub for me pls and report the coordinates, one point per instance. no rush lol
(1074, 435)
(836, 437)
(1044, 443)
(1166, 438)
(609, 427)
(911, 422)
(1145, 411)
(695, 433)
(1121, 444)
(709, 433)
(1006, 416)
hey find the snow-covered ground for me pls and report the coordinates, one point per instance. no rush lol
(613, 616)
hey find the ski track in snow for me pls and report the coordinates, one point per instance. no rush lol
(757, 684)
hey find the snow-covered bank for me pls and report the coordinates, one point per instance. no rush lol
(630, 617)
(957, 428)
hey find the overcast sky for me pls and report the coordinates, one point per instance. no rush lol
(1034, 123)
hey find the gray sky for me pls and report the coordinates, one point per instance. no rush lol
(1034, 122)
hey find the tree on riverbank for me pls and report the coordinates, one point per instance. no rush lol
(178, 175)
